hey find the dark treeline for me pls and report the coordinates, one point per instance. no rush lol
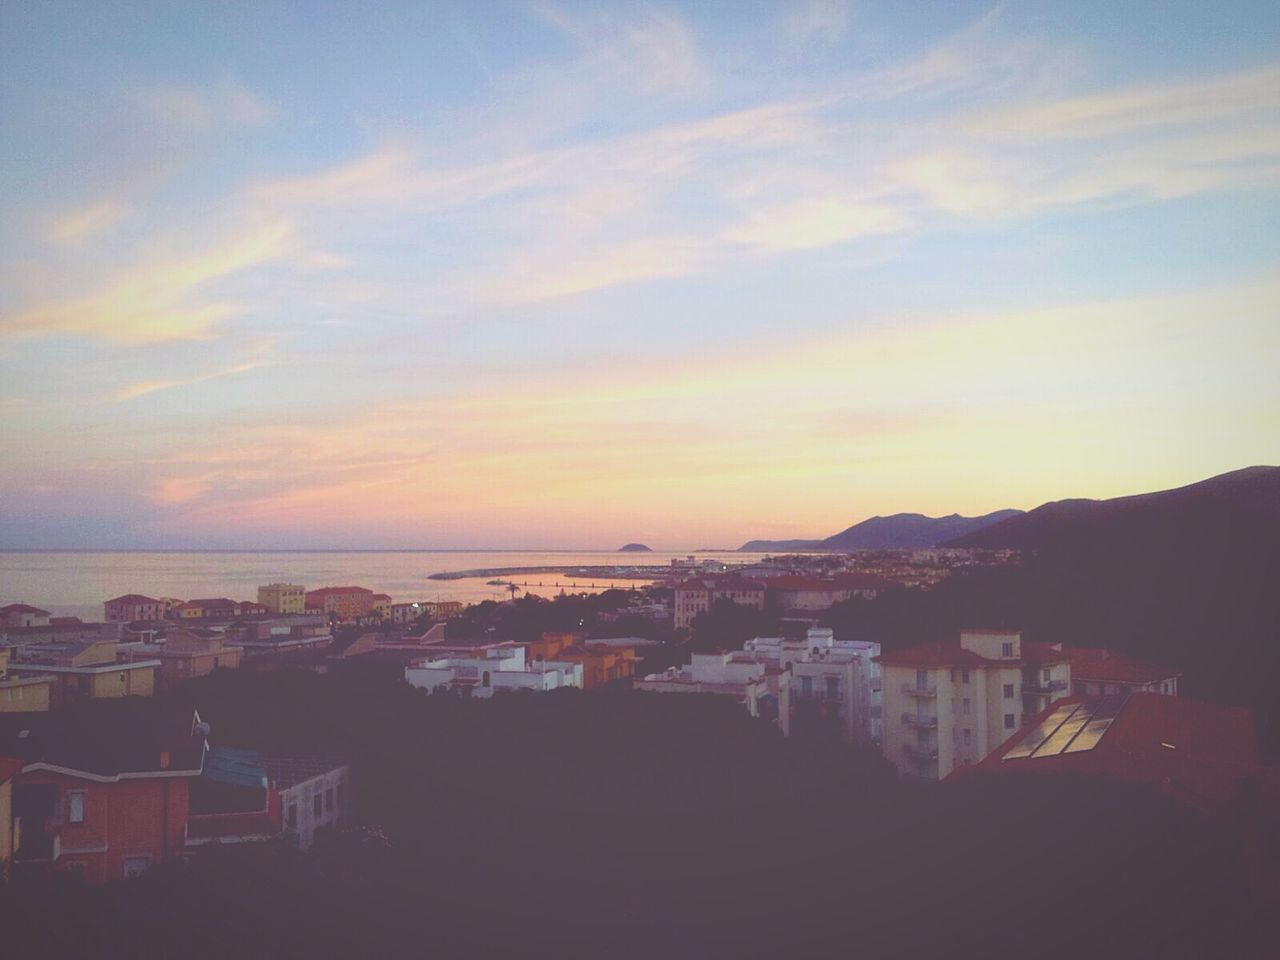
(614, 823)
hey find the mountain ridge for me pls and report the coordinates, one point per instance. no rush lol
(898, 531)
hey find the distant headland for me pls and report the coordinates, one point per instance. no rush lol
(635, 548)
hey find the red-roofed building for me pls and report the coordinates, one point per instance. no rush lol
(23, 615)
(693, 597)
(1096, 673)
(105, 797)
(1202, 754)
(816, 593)
(131, 607)
(950, 703)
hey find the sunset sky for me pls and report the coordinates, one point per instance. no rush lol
(562, 275)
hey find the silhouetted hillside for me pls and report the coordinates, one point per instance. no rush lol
(1251, 492)
(901, 531)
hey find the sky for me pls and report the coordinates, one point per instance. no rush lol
(534, 275)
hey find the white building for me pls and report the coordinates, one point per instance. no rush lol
(836, 682)
(745, 678)
(803, 684)
(313, 794)
(950, 703)
(495, 668)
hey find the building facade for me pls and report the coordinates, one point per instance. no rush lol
(498, 668)
(283, 598)
(23, 615)
(693, 597)
(133, 606)
(341, 603)
(949, 704)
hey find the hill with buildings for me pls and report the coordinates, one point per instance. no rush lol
(901, 531)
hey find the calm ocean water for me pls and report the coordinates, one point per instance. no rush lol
(75, 584)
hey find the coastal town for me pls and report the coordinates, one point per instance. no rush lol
(105, 795)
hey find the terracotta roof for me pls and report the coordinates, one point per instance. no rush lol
(1202, 753)
(133, 598)
(949, 653)
(1092, 663)
(326, 591)
(22, 608)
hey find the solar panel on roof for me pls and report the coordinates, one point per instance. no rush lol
(1065, 733)
(1041, 732)
(1098, 725)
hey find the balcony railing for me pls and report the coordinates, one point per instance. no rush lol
(1044, 686)
(918, 752)
(912, 690)
(916, 720)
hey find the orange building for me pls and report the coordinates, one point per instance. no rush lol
(600, 664)
(344, 603)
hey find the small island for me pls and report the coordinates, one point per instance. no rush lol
(635, 548)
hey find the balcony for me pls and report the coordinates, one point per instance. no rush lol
(1044, 686)
(917, 752)
(911, 690)
(919, 721)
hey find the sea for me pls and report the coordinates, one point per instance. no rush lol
(75, 583)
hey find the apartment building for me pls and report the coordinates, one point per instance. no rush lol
(1098, 673)
(693, 597)
(131, 607)
(283, 598)
(950, 703)
(738, 675)
(86, 670)
(343, 603)
(23, 694)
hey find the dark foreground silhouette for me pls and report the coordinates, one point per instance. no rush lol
(614, 823)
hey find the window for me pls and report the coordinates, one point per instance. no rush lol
(293, 816)
(1006, 649)
(1008, 691)
(75, 806)
(964, 676)
(328, 800)
(319, 799)
(1009, 721)
(968, 736)
(136, 866)
(965, 711)
(953, 674)
(833, 688)
(922, 679)
(806, 686)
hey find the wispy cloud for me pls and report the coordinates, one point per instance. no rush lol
(158, 300)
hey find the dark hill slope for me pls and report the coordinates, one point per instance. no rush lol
(1251, 492)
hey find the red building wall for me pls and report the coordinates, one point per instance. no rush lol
(141, 817)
